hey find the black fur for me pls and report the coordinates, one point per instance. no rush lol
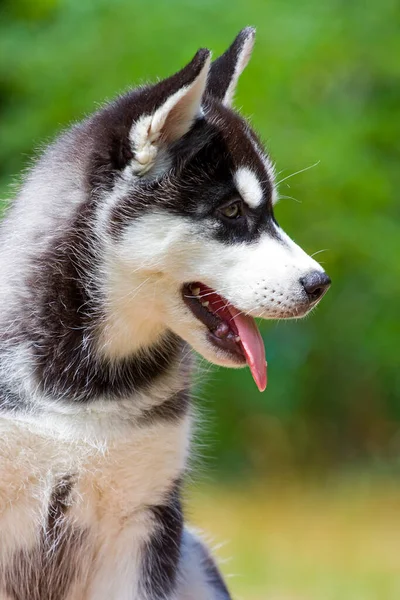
(162, 552)
(201, 180)
(111, 126)
(174, 408)
(56, 316)
(67, 306)
(10, 400)
(223, 69)
(47, 571)
(65, 311)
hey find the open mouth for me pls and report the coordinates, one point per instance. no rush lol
(228, 329)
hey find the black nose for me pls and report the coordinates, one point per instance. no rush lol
(315, 284)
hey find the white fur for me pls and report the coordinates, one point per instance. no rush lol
(249, 187)
(269, 167)
(120, 466)
(243, 59)
(168, 123)
(115, 484)
(159, 252)
(40, 213)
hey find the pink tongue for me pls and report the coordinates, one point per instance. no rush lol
(253, 346)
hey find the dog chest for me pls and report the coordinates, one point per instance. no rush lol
(110, 485)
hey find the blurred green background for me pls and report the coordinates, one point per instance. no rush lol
(322, 443)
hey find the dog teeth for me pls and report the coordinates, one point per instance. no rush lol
(206, 303)
(237, 338)
(195, 291)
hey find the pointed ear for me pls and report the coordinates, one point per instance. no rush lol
(226, 70)
(178, 107)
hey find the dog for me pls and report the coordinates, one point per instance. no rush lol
(141, 232)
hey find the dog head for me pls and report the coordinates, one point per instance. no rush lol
(187, 193)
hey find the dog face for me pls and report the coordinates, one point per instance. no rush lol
(188, 215)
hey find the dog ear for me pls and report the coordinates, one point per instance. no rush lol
(180, 104)
(226, 70)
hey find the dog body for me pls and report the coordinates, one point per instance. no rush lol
(135, 235)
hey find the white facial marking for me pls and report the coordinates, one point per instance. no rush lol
(249, 187)
(269, 167)
(160, 252)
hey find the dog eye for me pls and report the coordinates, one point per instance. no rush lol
(233, 211)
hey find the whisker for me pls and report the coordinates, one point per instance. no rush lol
(319, 251)
(219, 292)
(280, 197)
(297, 172)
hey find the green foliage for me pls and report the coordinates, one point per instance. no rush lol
(323, 86)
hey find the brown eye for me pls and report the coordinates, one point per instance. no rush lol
(233, 211)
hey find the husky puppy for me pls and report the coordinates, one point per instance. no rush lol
(143, 231)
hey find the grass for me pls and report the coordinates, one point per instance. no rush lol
(333, 541)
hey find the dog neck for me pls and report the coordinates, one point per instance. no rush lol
(133, 315)
(83, 341)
